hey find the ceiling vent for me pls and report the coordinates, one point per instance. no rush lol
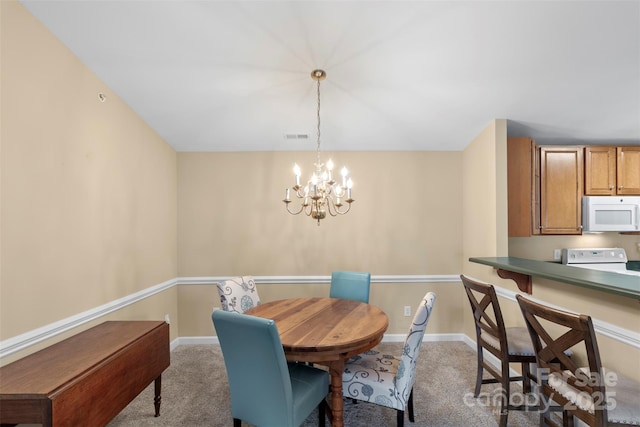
(296, 136)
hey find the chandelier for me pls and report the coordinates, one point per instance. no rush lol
(322, 193)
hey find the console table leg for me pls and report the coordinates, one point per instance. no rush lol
(157, 385)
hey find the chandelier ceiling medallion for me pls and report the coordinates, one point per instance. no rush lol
(321, 194)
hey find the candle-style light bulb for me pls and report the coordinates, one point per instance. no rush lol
(296, 172)
(344, 172)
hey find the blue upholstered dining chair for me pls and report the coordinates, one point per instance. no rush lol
(266, 391)
(388, 380)
(238, 294)
(350, 285)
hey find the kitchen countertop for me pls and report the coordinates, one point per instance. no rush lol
(620, 284)
(633, 265)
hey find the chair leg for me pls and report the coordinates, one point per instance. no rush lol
(410, 406)
(504, 401)
(479, 373)
(237, 422)
(526, 381)
(400, 418)
(321, 413)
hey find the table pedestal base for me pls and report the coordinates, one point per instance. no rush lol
(335, 414)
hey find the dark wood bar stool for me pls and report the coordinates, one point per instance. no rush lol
(509, 345)
(597, 396)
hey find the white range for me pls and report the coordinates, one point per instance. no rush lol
(604, 259)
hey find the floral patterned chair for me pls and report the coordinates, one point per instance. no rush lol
(238, 294)
(385, 379)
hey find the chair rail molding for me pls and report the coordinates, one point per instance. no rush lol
(27, 339)
(302, 280)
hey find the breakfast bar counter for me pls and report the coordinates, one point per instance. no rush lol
(521, 270)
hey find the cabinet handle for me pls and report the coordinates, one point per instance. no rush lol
(612, 187)
(621, 187)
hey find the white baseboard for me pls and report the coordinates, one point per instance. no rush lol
(387, 338)
(209, 340)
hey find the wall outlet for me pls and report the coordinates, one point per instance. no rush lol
(167, 319)
(557, 254)
(407, 310)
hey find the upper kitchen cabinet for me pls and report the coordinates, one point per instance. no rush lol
(612, 171)
(523, 187)
(628, 170)
(600, 171)
(544, 188)
(561, 191)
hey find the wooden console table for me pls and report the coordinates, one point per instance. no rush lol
(88, 378)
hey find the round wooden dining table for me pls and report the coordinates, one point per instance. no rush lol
(325, 331)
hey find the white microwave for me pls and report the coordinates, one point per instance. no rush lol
(610, 213)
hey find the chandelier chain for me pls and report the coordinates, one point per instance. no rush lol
(318, 131)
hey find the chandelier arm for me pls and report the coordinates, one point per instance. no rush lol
(334, 209)
(344, 211)
(294, 212)
(331, 207)
(300, 193)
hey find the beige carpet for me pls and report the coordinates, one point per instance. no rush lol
(195, 393)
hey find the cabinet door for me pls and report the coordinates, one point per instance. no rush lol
(522, 188)
(600, 171)
(561, 178)
(628, 170)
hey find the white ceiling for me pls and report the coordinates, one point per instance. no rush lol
(401, 75)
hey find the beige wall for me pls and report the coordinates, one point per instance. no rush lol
(232, 220)
(405, 221)
(484, 200)
(88, 189)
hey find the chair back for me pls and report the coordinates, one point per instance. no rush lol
(238, 294)
(259, 379)
(350, 285)
(487, 317)
(552, 333)
(406, 374)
